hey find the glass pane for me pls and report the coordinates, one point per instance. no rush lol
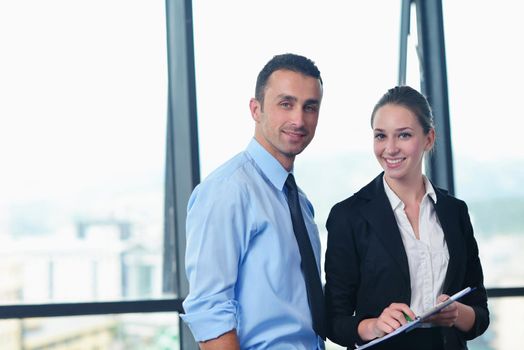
(505, 330)
(485, 76)
(157, 331)
(82, 144)
(356, 50)
(413, 63)
(485, 87)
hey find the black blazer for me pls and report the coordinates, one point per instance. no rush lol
(367, 268)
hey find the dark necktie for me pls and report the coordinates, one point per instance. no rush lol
(308, 263)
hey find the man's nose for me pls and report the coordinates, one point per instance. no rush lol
(297, 117)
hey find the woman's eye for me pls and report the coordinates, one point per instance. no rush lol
(379, 136)
(405, 135)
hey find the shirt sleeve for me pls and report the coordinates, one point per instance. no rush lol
(215, 228)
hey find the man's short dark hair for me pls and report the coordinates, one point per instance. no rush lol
(287, 61)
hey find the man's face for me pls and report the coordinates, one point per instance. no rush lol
(287, 121)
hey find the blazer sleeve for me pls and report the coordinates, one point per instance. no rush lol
(342, 268)
(478, 299)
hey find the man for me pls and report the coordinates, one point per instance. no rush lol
(246, 262)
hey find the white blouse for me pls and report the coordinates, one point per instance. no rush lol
(428, 257)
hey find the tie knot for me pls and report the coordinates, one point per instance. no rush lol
(290, 182)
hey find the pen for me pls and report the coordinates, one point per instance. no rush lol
(407, 317)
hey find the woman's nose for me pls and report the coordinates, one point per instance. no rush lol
(391, 147)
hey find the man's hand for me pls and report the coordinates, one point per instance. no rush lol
(227, 341)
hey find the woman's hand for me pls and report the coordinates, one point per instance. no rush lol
(390, 319)
(447, 317)
(454, 315)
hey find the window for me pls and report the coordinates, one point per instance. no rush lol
(356, 49)
(485, 75)
(83, 148)
(82, 144)
(129, 331)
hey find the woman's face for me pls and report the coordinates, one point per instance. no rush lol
(400, 142)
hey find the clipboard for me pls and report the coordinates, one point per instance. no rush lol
(421, 318)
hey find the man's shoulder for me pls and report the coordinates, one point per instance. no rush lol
(236, 175)
(224, 185)
(237, 168)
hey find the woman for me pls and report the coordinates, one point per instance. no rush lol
(400, 245)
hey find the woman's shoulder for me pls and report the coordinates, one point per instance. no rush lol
(346, 205)
(360, 197)
(447, 198)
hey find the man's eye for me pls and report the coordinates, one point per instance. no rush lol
(311, 108)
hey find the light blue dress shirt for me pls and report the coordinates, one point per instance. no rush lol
(242, 258)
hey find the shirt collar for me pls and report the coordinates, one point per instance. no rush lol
(392, 196)
(430, 191)
(268, 164)
(396, 202)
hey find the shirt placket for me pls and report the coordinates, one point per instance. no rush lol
(425, 249)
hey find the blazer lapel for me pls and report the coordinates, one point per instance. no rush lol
(447, 217)
(377, 211)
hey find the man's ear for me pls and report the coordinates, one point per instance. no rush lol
(255, 108)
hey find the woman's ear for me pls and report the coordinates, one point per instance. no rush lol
(430, 139)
